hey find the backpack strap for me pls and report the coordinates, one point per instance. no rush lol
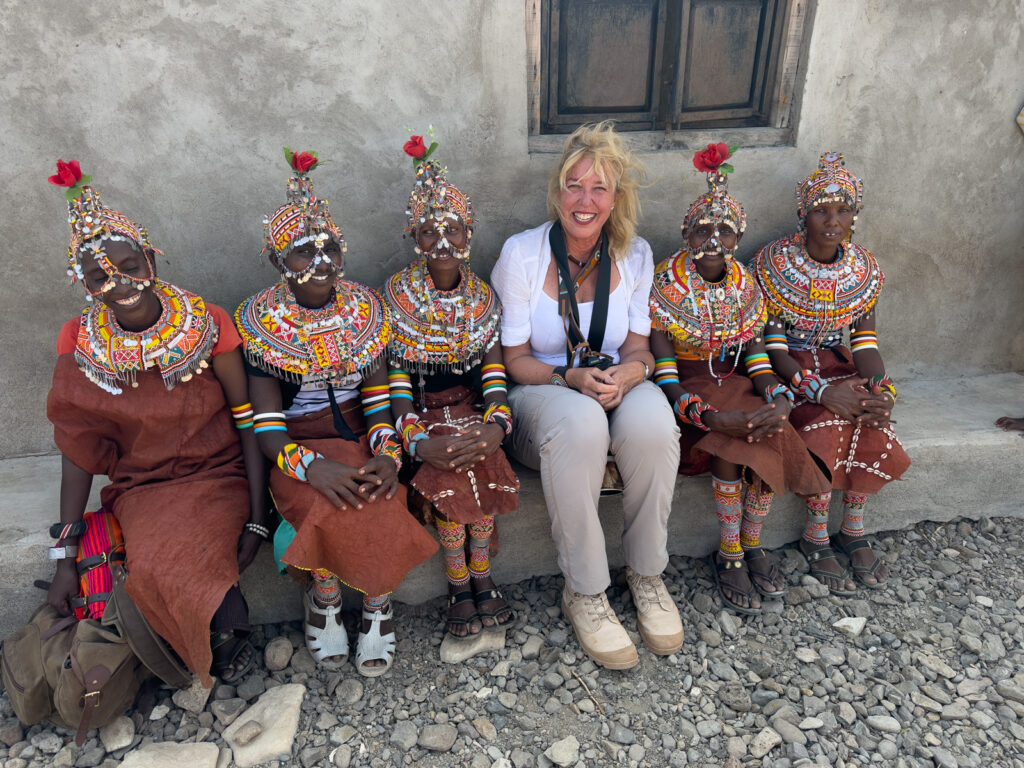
(95, 679)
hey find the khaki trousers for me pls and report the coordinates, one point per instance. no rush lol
(567, 436)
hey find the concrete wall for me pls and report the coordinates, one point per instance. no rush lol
(179, 109)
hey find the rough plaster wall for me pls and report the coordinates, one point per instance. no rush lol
(179, 109)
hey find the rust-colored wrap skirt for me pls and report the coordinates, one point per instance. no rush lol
(489, 488)
(370, 549)
(860, 459)
(177, 487)
(782, 461)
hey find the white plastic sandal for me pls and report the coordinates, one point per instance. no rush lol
(330, 641)
(373, 646)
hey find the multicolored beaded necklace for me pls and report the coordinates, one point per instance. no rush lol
(706, 319)
(178, 344)
(438, 330)
(314, 346)
(817, 300)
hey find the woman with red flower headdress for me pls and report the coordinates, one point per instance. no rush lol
(144, 381)
(817, 283)
(445, 356)
(314, 345)
(708, 313)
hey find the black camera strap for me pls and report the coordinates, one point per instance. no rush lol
(567, 294)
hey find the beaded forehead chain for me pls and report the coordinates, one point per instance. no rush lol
(305, 218)
(436, 199)
(717, 207)
(92, 224)
(831, 182)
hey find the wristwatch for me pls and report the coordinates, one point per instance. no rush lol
(62, 553)
(647, 369)
(558, 376)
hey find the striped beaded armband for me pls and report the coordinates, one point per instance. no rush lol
(399, 384)
(884, 383)
(757, 364)
(271, 421)
(500, 414)
(776, 341)
(294, 460)
(376, 400)
(691, 409)
(809, 384)
(493, 379)
(411, 430)
(666, 371)
(384, 441)
(242, 414)
(861, 340)
(779, 389)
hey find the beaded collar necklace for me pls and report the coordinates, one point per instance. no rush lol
(178, 344)
(438, 330)
(313, 346)
(709, 318)
(813, 297)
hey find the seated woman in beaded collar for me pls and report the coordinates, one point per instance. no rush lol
(818, 283)
(128, 401)
(707, 311)
(314, 345)
(445, 357)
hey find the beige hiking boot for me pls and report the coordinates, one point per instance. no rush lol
(598, 630)
(656, 613)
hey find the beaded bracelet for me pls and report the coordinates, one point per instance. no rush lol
(385, 441)
(809, 384)
(500, 414)
(242, 414)
(666, 371)
(260, 530)
(61, 531)
(399, 385)
(411, 430)
(779, 389)
(493, 379)
(294, 460)
(861, 340)
(691, 409)
(885, 384)
(757, 364)
(271, 421)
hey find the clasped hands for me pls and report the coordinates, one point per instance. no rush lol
(609, 386)
(854, 401)
(768, 420)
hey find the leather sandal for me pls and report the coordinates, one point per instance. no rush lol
(770, 578)
(722, 565)
(460, 598)
(493, 594)
(227, 648)
(860, 571)
(821, 574)
(329, 641)
(373, 646)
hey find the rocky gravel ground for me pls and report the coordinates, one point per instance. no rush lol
(926, 672)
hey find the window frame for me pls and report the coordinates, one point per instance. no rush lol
(783, 89)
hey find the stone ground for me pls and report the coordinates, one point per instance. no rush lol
(927, 672)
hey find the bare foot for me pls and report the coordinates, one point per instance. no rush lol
(863, 561)
(1008, 423)
(828, 570)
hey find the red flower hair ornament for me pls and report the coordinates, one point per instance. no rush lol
(301, 162)
(712, 159)
(69, 175)
(417, 150)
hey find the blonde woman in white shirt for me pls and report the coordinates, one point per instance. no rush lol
(583, 390)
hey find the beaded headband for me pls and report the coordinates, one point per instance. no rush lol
(716, 206)
(92, 224)
(434, 196)
(305, 218)
(830, 183)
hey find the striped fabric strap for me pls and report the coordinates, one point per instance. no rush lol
(776, 341)
(294, 460)
(242, 414)
(758, 364)
(666, 371)
(861, 340)
(493, 378)
(271, 421)
(399, 384)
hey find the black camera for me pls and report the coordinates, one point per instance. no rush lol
(596, 360)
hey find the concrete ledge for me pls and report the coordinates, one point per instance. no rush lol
(963, 466)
